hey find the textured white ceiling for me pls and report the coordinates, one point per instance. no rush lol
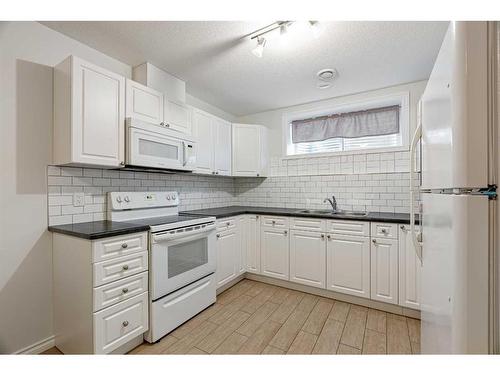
(215, 59)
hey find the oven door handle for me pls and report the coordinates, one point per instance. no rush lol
(167, 237)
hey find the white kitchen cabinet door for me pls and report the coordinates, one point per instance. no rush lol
(144, 103)
(89, 115)
(205, 146)
(249, 150)
(348, 264)
(177, 115)
(241, 228)
(384, 270)
(410, 270)
(308, 258)
(274, 252)
(227, 243)
(223, 142)
(252, 234)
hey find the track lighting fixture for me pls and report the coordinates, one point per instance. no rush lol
(283, 27)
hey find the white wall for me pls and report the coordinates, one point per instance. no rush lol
(29, 50)
(204, 106)
(273, 119)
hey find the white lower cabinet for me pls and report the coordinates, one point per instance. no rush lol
(348, 264)
(274, 252)
(308, 258)
(241, 252)
(384, 270)
(116, 325)
(227, 244)
(410, 270)
(252, 250)
(100, 307)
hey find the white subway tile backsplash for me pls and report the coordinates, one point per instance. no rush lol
(372, 182)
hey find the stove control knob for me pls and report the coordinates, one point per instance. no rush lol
(119, 199)
(174, 197)
(168, 197)
(126, 199)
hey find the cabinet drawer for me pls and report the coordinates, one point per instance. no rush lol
(121, 290)
(348, 227)
(113, 247)
(119, 268)
(384, 230)
(120, 323)
(274, 221)
(229, 223)
(307, 223)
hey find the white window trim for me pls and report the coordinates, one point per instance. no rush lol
(400, 98)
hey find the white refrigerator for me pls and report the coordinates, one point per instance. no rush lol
(456, 236)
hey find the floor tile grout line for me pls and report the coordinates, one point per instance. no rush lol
(343, 328)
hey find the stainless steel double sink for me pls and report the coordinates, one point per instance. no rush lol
(334, 213)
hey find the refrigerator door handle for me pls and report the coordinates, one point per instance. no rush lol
(416, 238)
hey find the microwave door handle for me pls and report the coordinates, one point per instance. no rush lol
(168, 237)
(184, 152)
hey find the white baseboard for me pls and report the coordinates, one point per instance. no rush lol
(38, 347)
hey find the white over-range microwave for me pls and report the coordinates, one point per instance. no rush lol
(155, 146)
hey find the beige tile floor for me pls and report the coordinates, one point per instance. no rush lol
(253, 318)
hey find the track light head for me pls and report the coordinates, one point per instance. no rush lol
(259, 49)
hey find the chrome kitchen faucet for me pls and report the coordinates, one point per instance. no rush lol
(333, 202)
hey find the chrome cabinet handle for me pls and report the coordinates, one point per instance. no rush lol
(124, 245)
(125, 290)
(125, 267)
(125, 323)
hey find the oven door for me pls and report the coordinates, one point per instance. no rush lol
(150, 149)
(180, 257)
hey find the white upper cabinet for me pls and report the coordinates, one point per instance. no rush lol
(213, 142)
(348, 264)
(384, 270)
(89, 115)
(222, 150)
(176, 115)
(250, 152)
(308, 258)
(203, 131)
(410, 270)
(144, 103)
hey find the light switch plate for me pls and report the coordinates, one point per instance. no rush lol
(78, 199)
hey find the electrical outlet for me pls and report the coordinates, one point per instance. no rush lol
(78, 199)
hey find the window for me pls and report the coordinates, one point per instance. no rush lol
(349, 143)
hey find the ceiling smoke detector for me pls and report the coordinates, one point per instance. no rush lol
(327, 75)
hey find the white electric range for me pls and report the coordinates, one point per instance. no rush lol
(181, 254)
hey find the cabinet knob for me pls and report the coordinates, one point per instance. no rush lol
(125, 290)
(122, 163)
(258, 174)
(162, 123)
(322, 235)
(218, 235)
(273, 221)
(384, 231)
(403, 227)
(213, 172)
(125, 267)
(374, 240)
(167, 125)
(124, 245)
(217, 172)
(125, 323)
(286, 232)
(328, 236)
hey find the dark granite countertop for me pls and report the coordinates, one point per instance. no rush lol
(98, 229)
(221, 212)
(101, 229)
